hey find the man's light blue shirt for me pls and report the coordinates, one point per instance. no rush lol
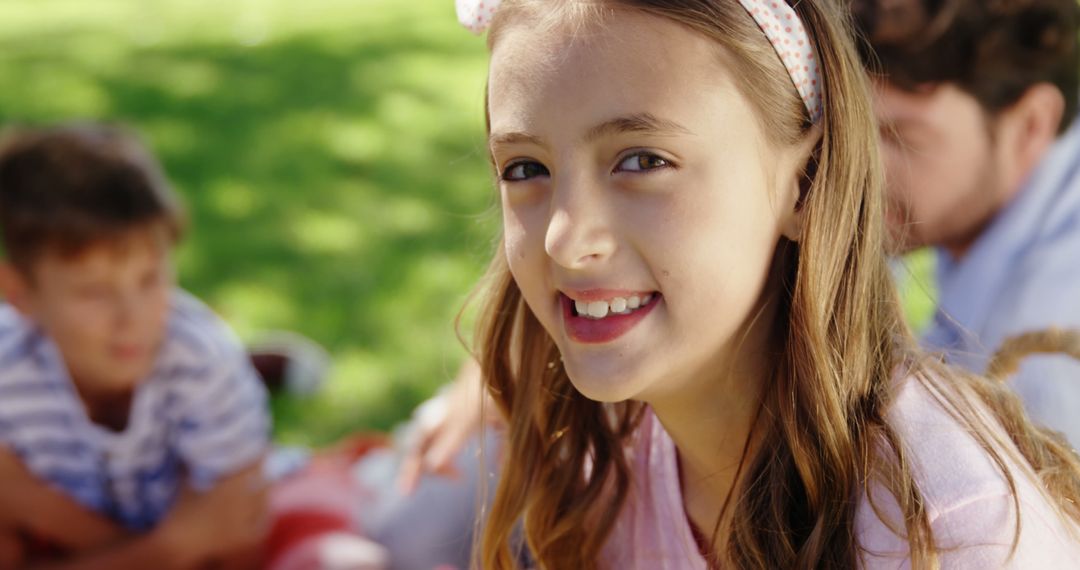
(1022, 275)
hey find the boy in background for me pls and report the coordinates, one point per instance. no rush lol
(132, 425)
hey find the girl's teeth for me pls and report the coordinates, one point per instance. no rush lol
(616, 306)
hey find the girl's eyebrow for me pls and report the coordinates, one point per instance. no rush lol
(636, 123)
(499, 139)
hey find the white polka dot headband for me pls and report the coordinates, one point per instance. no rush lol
(775, 17)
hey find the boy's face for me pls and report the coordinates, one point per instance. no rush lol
(106, 309)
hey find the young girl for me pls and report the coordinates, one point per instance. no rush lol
(689, 323)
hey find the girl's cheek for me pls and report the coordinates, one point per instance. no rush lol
(525, 223)
(515, 240)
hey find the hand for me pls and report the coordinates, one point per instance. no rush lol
(228, 519)
(443, 425)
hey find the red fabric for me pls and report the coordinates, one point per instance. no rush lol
(319, 499)
(293, 528)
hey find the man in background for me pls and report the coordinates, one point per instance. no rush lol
(976, 102)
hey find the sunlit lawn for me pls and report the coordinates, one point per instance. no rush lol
(330, 152)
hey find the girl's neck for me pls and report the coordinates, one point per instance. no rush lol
(711, 422)
(713, 437)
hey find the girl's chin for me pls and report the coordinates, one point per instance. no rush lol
(602, 386)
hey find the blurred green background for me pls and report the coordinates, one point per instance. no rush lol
(331, 154)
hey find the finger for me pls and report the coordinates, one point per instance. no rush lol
(412, 464)
(409, 473)
(441, 457)
(449, 471)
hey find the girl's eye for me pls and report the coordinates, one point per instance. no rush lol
(520, 171)
(641, 162)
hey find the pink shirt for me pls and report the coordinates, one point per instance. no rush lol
(967, 499)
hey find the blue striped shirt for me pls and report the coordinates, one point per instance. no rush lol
(200, 415)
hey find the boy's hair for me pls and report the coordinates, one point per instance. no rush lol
(63, 189)
(995, 51)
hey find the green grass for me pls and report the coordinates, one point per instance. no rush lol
(330, 153)
(915, 279)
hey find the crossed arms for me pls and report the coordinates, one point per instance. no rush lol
(226, 523)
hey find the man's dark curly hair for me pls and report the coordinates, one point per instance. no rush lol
(994, 50)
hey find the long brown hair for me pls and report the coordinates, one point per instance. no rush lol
(824, 435)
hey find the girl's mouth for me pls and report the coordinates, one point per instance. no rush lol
(600, 321)
(597, 310)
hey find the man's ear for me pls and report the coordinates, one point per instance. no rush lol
(14, 287)
(1027, 129)
(807, 152)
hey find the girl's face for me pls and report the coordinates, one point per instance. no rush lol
(642, 203)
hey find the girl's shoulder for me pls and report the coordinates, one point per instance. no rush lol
(968, 499)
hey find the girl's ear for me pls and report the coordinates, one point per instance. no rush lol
(806, 154)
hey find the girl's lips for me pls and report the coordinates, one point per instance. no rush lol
(607, 329)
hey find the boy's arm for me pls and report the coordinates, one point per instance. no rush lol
(230, 521)
(147, 551)
(29, 504)
(227, 520)
(11, 549)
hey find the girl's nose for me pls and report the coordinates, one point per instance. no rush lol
(579, 231)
